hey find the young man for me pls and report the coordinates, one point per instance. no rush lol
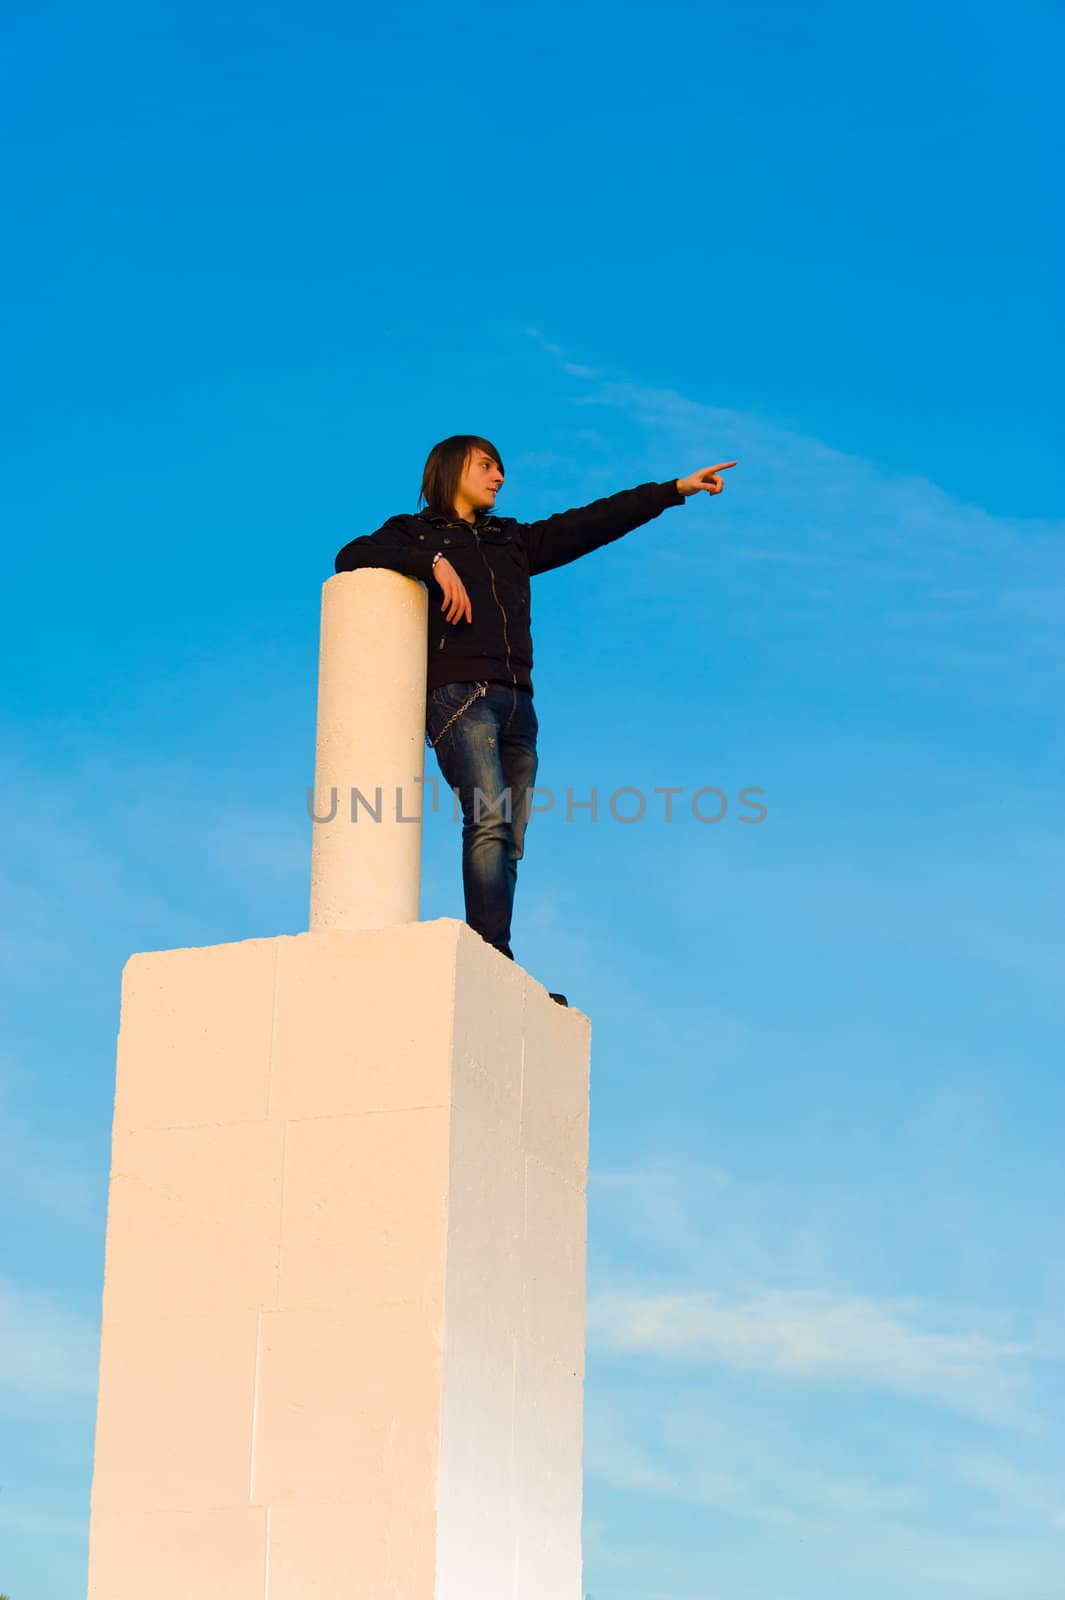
(479, 711)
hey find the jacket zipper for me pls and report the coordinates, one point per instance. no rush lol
(495, 596)
(499, 603)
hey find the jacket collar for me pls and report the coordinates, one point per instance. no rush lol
(483, 518)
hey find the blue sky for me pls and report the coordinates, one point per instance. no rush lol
(258, 261)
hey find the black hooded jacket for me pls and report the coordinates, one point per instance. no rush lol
(495, 557)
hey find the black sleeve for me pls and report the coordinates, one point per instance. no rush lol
(396, 545)
(570, 534)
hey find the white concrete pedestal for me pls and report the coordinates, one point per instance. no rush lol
(343, 1324)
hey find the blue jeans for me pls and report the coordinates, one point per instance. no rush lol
(487, 752)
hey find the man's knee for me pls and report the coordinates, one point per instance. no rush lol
(489, 807)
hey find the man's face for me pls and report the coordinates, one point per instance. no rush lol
(481, 480)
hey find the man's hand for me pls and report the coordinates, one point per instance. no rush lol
(706, 479)
(456, 601)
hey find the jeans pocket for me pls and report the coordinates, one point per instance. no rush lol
(450, 694)
(445, 704)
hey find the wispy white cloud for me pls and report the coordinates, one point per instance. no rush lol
(735, 1375)
(680, 1452)
(885, 1522)
(817, 1337)
(1035, 1494)
(574, 369)
(701, 1268)
(881, 565)
(662, 1204)
(678, 1221)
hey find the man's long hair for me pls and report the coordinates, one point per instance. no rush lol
(443, 470)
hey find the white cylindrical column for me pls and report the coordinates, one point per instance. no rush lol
(366, 850)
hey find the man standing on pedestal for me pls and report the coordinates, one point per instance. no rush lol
(479, 710)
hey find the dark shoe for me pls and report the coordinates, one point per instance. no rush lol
(559, 999)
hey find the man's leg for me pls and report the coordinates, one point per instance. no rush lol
(517, 743)
(470, 759)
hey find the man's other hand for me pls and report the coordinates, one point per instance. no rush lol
(706, 479)
(456, 601)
